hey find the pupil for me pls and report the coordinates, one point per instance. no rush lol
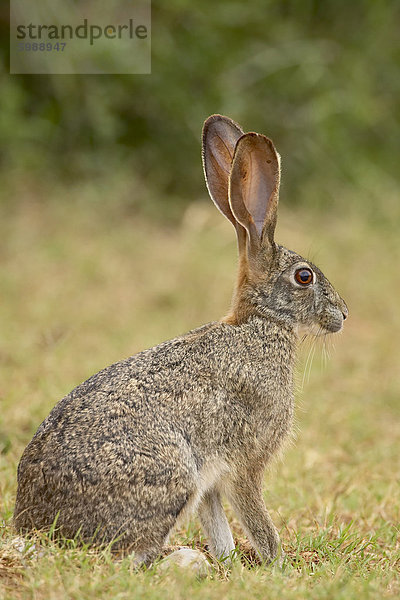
(304, 276)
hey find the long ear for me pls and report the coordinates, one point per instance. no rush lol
(220, 135)
(254, 187)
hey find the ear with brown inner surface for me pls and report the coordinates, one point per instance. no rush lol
(253, 199)
(220, 135)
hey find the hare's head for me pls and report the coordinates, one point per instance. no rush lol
(242, 173)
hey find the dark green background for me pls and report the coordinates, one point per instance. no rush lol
(321, 78)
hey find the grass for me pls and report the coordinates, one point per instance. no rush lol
(86, 282)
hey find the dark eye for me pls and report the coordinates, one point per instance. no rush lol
(304, 276)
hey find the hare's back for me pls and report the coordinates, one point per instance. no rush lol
(126, 406)
(113, 441)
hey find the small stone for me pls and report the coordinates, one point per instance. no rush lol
(187, 558)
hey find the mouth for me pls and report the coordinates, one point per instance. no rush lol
(335, 327)
(333, 321)
(320, 329)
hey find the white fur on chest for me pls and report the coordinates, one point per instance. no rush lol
(211, 473)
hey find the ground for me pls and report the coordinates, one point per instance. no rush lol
(85, 283)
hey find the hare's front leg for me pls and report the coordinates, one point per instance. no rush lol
(245, 495)
(215, 525)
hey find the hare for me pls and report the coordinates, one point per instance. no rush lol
(168, 431)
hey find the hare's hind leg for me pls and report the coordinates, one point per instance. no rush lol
(216, 526)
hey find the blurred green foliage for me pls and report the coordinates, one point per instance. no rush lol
(319, 77)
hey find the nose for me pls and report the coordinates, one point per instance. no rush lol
(345, 313)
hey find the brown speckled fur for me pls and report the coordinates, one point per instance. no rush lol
(169, 430)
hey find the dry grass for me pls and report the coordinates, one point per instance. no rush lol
(84, 284)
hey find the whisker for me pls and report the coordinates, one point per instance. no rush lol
(307, 366)
(303, 339)
(304, 370)
(313, 348)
